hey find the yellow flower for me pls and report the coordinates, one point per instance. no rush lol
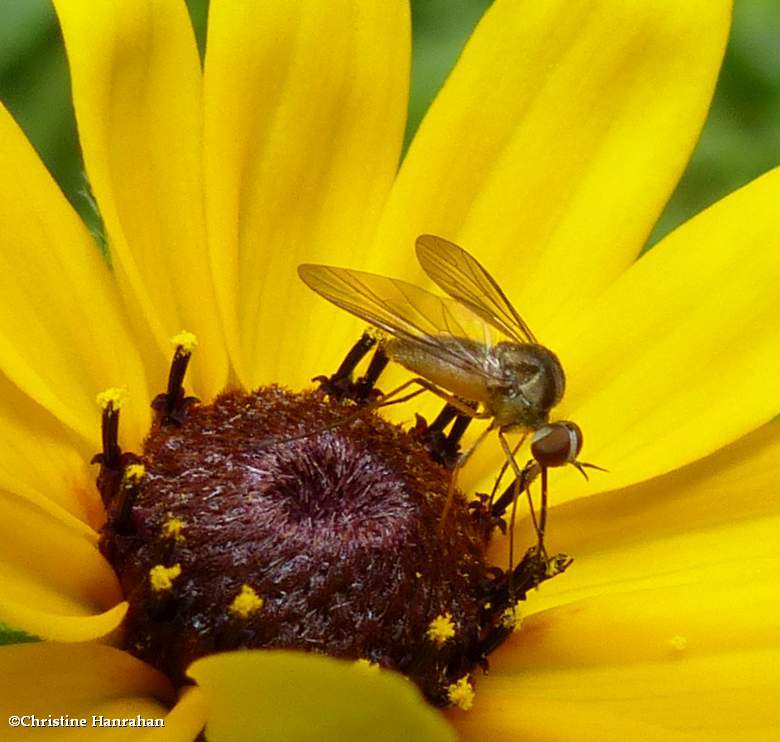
(549, 154)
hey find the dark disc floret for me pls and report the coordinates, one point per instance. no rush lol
(305, 521)
(331, 543)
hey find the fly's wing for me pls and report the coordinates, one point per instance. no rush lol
(466, 281)
(437, 325)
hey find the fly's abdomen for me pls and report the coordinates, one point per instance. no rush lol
(439, 370)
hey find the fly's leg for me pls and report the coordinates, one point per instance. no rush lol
(529, 473)
(383, 401)
(464, 457)
(525, 479)
(543, 507)
(489, 512)
(462, 408)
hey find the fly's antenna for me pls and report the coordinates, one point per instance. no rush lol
(580, 466)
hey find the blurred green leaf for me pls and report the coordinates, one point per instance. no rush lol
(24, 23)
(12, 636)
(199, 10)
(440, 30)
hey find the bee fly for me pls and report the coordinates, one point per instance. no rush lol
(449, 344)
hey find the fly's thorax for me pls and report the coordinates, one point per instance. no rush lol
(440, 371)
(532, 384)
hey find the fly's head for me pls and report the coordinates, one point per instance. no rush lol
(557, 444)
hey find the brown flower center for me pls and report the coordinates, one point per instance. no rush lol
(231, 530)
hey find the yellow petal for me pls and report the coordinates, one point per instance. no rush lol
(137, 93)
(556, 141)
(77, 681)
(715, 517)
(54, 584)
(43, 462)
(63, 335)
(718, 564)
(185, 720)
(500, 714)
(726, 697)
(305, 105)
(698, 659)
(24, 616)
(278, 695)
(690, 611)
(678, 357)
(668, 619)
(734, 483)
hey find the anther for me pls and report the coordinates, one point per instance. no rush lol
(161, 577)
(339, 385)
(461, 693)
(457, 431)
(365, 387)
(173, 527)
(130, 484)
(444, 447)
(110, 401)
(443, 419)
(511, 618)
(171, 406)
(533, 569)
(246, 603)
(557, 565)
(441, 629)
(111, 459)
(162, 602)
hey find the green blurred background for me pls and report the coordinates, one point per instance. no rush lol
(740, 141)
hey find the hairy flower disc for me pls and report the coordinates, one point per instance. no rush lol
(328, 543)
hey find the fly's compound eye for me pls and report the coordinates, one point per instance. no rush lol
(557, 444)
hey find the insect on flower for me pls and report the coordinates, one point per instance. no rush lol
(474, 347)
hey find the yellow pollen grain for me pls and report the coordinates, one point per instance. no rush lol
(161, 577)
(246, 603)
(134, 473)
(185, 340)
(367, 665)
(441, 628)
(678, 643)
(172, 527)
(461, 694)
(114, 396)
